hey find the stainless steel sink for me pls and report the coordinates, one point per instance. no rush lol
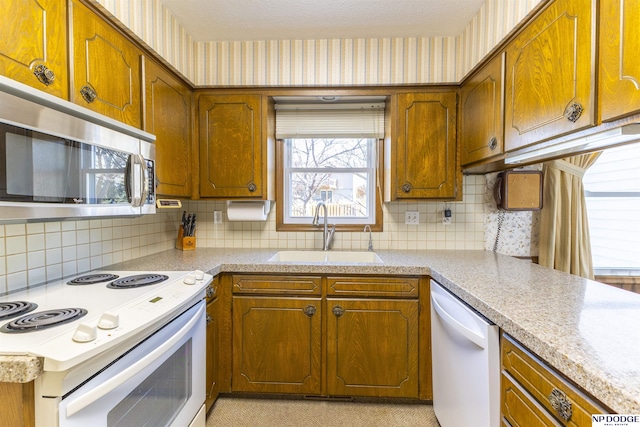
(326, 257)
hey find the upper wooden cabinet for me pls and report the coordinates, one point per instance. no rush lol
(551, 74)
(168, 117)
(106, 68)
(33, 44)
(619, 90)
(233, 138)
(424, 155)
(482, 113)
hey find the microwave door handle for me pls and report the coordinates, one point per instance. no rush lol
(136, 176)
(144, 180)
(117, 380)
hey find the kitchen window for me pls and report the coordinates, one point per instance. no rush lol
(612, 193)
(329, 153)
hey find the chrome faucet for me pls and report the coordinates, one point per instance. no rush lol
(370, 249)
(327, 235)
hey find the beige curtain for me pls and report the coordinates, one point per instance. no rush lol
(564, 229)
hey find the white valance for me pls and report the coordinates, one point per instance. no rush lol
(335, 120)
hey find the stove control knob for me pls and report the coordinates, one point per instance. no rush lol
(199, 274)
(109, 320)
(189, 279)
(85, 333)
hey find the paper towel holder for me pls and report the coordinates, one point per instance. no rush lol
(261, 208)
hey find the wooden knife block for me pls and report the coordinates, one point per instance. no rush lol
(185, 243)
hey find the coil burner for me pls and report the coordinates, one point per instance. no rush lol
(137, 281)
(15, 308)
(43, 320)
(91, 279)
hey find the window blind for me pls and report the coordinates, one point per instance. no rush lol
(347, 120)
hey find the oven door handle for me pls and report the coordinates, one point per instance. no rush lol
(117, 380)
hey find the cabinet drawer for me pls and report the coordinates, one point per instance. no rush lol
(541, 382)
(401, 287)
(520, 409)
(260, 284)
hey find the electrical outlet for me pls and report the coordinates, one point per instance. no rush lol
(217, 217)
(446, 216)
(412, 217)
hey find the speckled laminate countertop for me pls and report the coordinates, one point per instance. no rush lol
(588, 331)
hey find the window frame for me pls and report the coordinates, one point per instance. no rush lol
(280, 196)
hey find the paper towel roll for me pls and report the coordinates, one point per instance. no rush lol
(240, 210)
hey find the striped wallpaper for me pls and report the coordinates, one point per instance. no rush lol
(326, 62)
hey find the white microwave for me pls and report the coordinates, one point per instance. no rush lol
(59, 160)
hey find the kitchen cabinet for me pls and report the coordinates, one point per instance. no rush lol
(213, 343)
(374, 342)
(277, 344)
(372, 347)
(235, 138)
(277, 341)
(482, 113)
(534, 394)
(33, 44)
(168, 117)
(424, 156)
(550, 75)
(17, 404)
(106, 68)
(619, 79)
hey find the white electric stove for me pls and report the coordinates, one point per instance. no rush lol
(101, 324)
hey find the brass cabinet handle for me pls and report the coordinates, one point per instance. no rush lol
(561, 403)
(211, 291)
(338, 311)
(209, 319)
(406, 188)
(45, 75)
(493, 143)
(88, 94)
(309, 310)
(252, 187)
(573, 112)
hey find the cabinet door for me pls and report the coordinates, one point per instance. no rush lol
(276, 345)
(33, 44)
(168, 117)
(231, 147)
(550, 75)
(619, 65)
(106, 68)
(213, 349)
(482, 113)
(372, 347)
(425, 155)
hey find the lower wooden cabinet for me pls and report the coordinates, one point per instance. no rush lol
(212, 354)
(330, 336)
(17, 404)
(372, 347)
(535, 395)
(276, 344)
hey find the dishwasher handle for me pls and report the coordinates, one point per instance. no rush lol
(473, 336)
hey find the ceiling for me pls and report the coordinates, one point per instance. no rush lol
(245, 20)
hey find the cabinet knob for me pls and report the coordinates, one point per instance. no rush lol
(211, 291)
(88, 94)
(406, 188)
(252, 187)
(45, 75)
(573, 112)
(338, 311)
(561, 403)
(209, 319)
(493, 143)
(309, 310)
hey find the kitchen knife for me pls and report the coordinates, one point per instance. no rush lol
(192, 226)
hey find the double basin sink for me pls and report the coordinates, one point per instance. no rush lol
(326, 257)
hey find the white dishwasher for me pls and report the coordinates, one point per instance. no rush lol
(466, 363)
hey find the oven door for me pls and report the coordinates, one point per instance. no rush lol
(158, 383)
